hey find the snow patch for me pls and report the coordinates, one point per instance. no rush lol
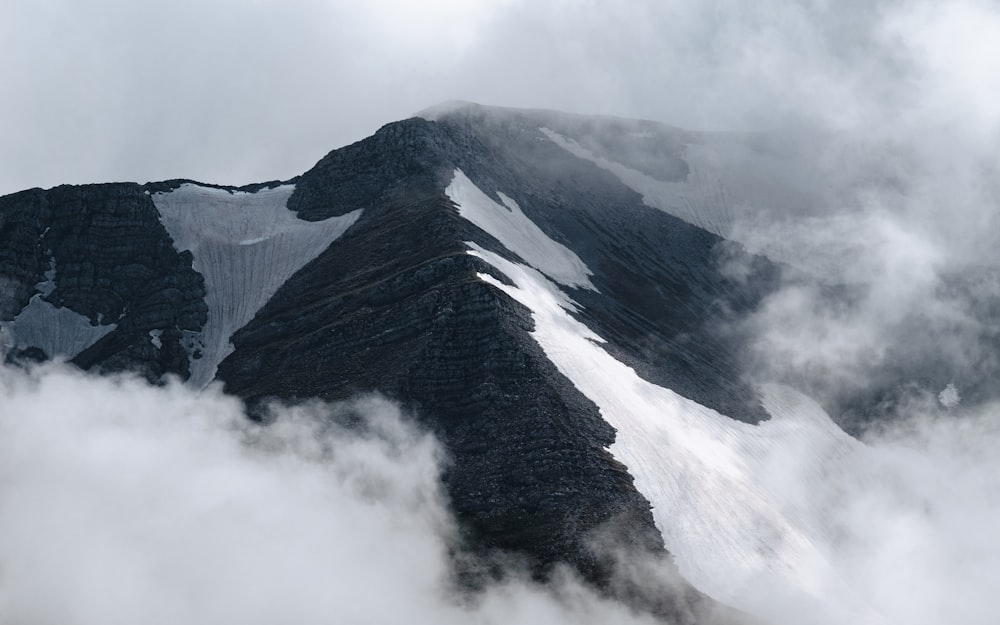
(702, 200)
(59, 332)
(154, 338)
(245, 245)
(739, 530)
(512, 228)
(949, 397)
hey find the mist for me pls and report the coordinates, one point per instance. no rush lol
(887, 309)
(890, 294)
(124, 502)
(902, 520)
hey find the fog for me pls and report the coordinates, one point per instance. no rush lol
(124, 502)
(888, 303)
(893, 257)
(904, 519)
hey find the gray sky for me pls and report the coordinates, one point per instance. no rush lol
(236, 91)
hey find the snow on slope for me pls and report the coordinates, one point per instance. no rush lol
(511, 227)
(246, 245)
(56, 331)
(59, 332)
(724, 493)
(728, 519)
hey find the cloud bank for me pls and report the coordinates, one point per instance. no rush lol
(123, 503)
(889, 111)
(903, 518)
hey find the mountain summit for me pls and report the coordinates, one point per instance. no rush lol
(557, 297)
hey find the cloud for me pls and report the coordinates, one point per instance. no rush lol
(903, 521)
(887, 109)
(125, 502)
(888, 305)
(955, 46)
(916, 525)
(235, 92)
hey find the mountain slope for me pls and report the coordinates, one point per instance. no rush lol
(396, 287)
(554, 296)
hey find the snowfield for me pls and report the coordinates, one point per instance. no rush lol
(246, 245)
(59, 332)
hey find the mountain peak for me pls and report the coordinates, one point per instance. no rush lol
(559, 298)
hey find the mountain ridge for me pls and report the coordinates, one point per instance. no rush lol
(556, 298)
(396, 304)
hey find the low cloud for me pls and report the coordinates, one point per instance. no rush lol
(888, 310)
(124, 502)
(890, 288)
(916, 527)
(905, 518)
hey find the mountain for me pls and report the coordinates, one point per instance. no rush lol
(554, 296)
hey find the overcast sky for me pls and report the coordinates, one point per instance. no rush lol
(236, 91)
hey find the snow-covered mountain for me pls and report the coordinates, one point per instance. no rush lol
(561, 299)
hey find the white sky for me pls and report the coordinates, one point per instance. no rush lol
(237, 91)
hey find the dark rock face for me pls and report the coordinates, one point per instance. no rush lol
(528, 471)
(662, 297)
(113, 263)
